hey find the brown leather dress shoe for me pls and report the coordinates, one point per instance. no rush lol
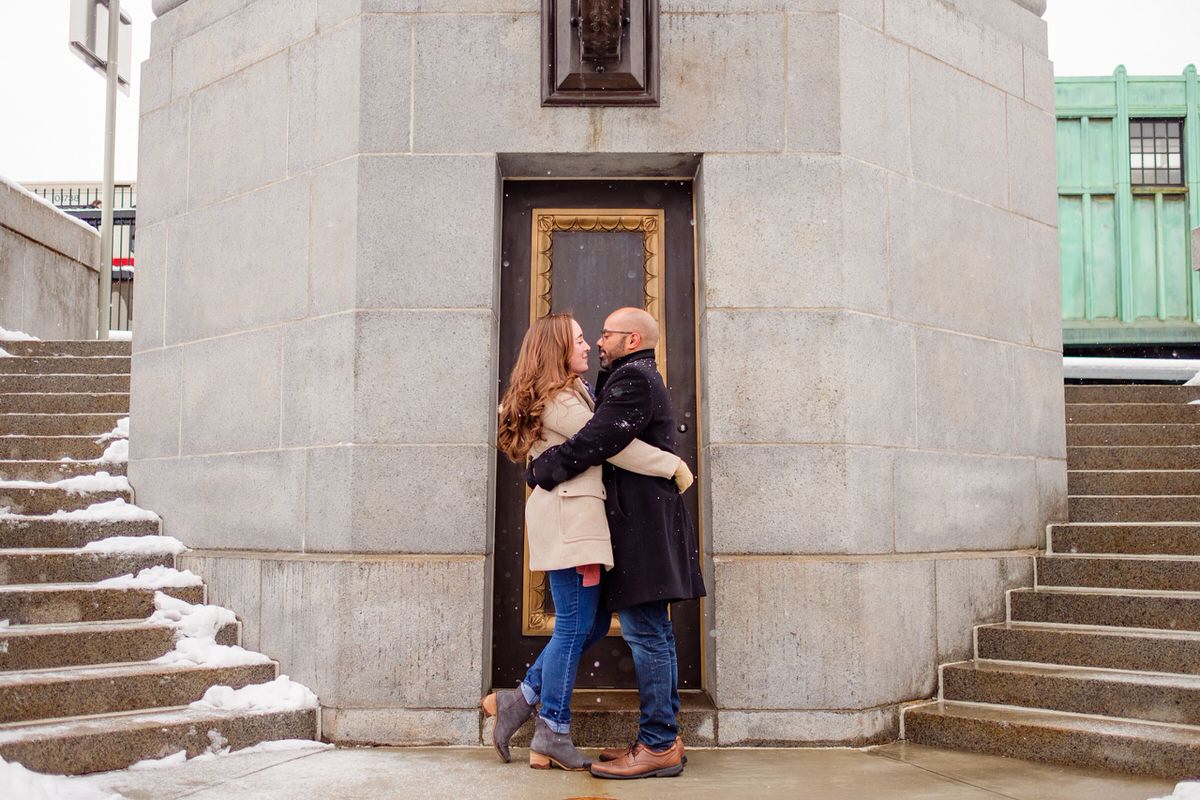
(613, 753)
(640, 761)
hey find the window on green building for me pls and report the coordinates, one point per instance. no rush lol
(1156, 152)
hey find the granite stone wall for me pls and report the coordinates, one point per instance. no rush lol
(883, 437)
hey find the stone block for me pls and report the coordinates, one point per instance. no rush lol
(424, 377)
(401, 726)
(333, 238)
(1038, 410)
(960, 39)
(154, 75)
(970, 592)
(1052, 494)
(393, 626)
(1032, 179)
(253, 274)
(229, 35)
(724, 89)
(874, 92)
(163, 163)
(232, 501)
(457, 6)
(1039, 80)
(974, 281)
(839, 635)
(385, 84)
(1044, 287)
(317, 380)
(59, 296)
(1010, 19)
(399, 499)
(149, 289)
(232, 581)
(232, 393)
(957, 131)
(334, 12)
(807, 728)
(799, 499)
(431, 244)
(813, 82)
(953, 501)
(40, 222)
(817, 377)
(12, 278)
(156, 392)
(323, 105)
(964, 394)
(188, 18)
(866, 12)
(482, 94)
(239, 131)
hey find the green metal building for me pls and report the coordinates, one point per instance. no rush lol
(1128, 199)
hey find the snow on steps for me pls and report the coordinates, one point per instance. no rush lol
(108, 656)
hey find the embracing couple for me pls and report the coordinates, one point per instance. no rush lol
(607, 525)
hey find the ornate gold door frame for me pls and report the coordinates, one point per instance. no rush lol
(536, 620)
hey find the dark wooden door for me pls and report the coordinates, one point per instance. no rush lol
(589, 247)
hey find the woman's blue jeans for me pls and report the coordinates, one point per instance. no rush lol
(579, 622)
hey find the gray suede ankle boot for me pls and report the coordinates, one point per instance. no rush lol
(549, 748)
(511, 711)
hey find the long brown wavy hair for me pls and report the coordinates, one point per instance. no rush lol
(542, 370)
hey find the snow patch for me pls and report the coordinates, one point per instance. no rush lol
(119, 432)
(159, 763)
(1184, 790)
(281, 694)
(120, 336)
(207, 653)
(158, 577)
(82, 484)
(16, 781)
(3, 623)
(116, 453)
(148, 545)
(280, 745)
(4, 353)
(112, 511)
(15, 336)
(196, 628)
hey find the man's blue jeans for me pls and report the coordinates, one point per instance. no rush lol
(647, 630)
(579, 622)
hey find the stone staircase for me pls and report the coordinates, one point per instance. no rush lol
(1098, 664)
(90, 675)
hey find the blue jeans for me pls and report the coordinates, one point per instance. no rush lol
(579, 622)
(647, 630)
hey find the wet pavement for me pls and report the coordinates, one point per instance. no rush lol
(893, 771)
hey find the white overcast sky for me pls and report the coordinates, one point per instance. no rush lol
(52, 106)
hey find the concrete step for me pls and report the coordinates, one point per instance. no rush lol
(65, 403)
(1131, 393)
(1133, 481)
(43, 604)
(1124, 608)
(1141, 435)
(29, 695)
(67, 384)
(1164, 538)
(1082, 413)
(607, 719)
(1107, 648)
(68, 347)
(1179, 574)
(50, 448)
(1080, 690)
(25, 532)
(69, 565)
(50, 471)
(37, 502)
(58, 424)
(95, 744)
(83, 643)
(1146, 748)
(64, 365)
(1109, 458)
(1134, 508)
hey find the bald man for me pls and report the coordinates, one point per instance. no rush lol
(656, 552)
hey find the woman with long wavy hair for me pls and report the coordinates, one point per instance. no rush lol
(546, 403)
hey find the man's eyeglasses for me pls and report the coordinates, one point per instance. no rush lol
(604, 334)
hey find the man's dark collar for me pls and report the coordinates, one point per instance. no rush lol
(636, 355)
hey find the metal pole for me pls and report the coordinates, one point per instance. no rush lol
(106, 201)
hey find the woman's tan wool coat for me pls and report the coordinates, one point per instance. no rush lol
(568, 526)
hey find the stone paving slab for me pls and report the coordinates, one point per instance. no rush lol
(893, 771)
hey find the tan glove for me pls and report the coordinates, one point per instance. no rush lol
(683, 477)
